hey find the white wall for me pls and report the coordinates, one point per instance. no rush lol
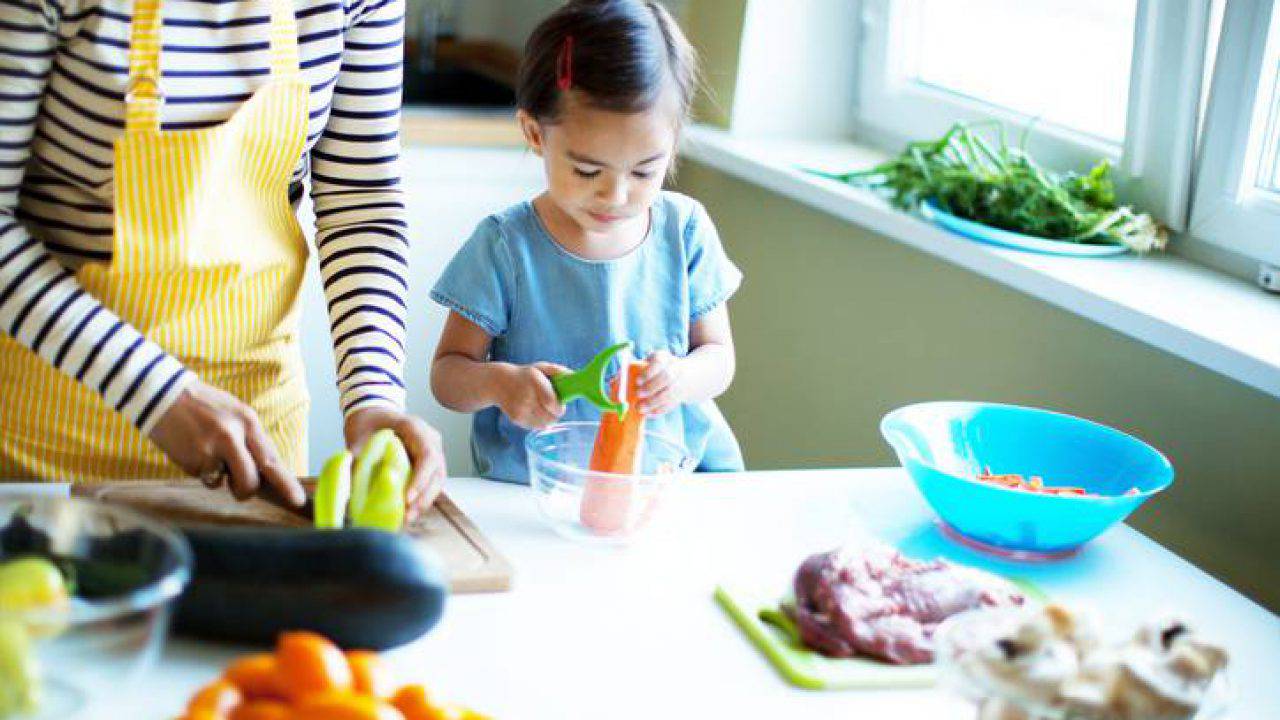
(448, 191)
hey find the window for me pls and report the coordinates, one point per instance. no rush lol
(1065, 61)
(1115, 79)
(1237, 198)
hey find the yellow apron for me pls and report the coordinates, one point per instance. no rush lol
(207, 261)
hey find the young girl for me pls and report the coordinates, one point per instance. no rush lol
(602, 256)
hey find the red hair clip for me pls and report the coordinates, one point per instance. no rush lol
(564, 65)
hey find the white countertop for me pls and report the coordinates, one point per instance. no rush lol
(603, 634)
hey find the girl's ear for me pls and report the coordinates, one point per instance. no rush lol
(532, 131)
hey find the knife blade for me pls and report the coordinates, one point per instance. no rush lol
(269, 493)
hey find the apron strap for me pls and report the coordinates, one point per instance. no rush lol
(284, 41)
(143, 96)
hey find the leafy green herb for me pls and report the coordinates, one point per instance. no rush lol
(1002, 186)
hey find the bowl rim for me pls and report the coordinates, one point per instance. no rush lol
(163, 589)
(1141, 495)
(570, 424)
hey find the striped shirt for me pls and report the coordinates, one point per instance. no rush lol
(63, 72)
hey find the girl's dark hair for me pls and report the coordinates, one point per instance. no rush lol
(622, 55)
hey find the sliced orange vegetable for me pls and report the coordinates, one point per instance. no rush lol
(414, 703)
(311, 665)
(257, 676)
(218, 697)
(262, 710)
(370, 674)
(345, 706)
(203, 715)
(1014, 481)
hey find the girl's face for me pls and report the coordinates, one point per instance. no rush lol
(604, 168)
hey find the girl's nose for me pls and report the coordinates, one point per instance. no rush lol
(613, 191)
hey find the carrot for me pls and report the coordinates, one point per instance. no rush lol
(262, 710)
(257, 676)
(1014, 481)
(219, 697)
(617, 448)
(607, 502)
(370, 675)
(310, 664)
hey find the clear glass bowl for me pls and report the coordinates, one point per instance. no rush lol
(961, 634)
(124, 570)
(599, 507)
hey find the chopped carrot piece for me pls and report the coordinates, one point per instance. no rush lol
(219, 697)
(370, 674)
(1014, 481)
(311, 665)
(345, 706)
(262, 710)
(257, 676)
(414, 702)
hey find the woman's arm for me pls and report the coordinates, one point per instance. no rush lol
(463, 379)
(44, 308)
(42, 305)
(704, 374)
(361, 234)
(363, 244)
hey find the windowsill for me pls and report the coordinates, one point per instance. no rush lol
(1204, 316)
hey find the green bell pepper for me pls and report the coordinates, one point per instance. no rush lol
(333, 492)
(25, 584)
(362, 473)
(19, 671)
(384, 504)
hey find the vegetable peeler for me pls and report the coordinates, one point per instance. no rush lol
(588, 383)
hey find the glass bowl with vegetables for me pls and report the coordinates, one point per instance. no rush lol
(1023, 482)
(602, 487)
(85, 590)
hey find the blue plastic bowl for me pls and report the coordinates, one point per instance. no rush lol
(944, 446)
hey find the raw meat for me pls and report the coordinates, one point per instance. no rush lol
(874, 601)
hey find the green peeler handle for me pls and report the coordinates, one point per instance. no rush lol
(588, 383)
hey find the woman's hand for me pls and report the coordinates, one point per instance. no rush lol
(207, 428)
(662, 387)
(421, 441)
(526, 396)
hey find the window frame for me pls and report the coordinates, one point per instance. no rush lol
(1153, 163)
(1227, 211)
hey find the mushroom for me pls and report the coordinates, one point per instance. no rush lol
(1050, 662)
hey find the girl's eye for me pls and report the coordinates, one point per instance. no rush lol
(585, 173)
(642, 175)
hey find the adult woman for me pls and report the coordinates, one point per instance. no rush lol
(151, 161)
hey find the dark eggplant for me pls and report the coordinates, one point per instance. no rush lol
(360, 588)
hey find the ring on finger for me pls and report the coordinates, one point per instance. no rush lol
(214, 478)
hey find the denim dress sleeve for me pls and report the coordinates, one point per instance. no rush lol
(713, 278)
(479, 282)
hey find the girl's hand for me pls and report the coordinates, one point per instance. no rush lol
(207, 432)
(527, 397)
(662, 386)
(421, 441)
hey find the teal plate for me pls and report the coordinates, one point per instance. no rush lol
(1018, 241)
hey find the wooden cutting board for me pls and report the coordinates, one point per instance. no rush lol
(471, 562)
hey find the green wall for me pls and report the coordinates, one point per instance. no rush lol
(836, 325)
(715, 29)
